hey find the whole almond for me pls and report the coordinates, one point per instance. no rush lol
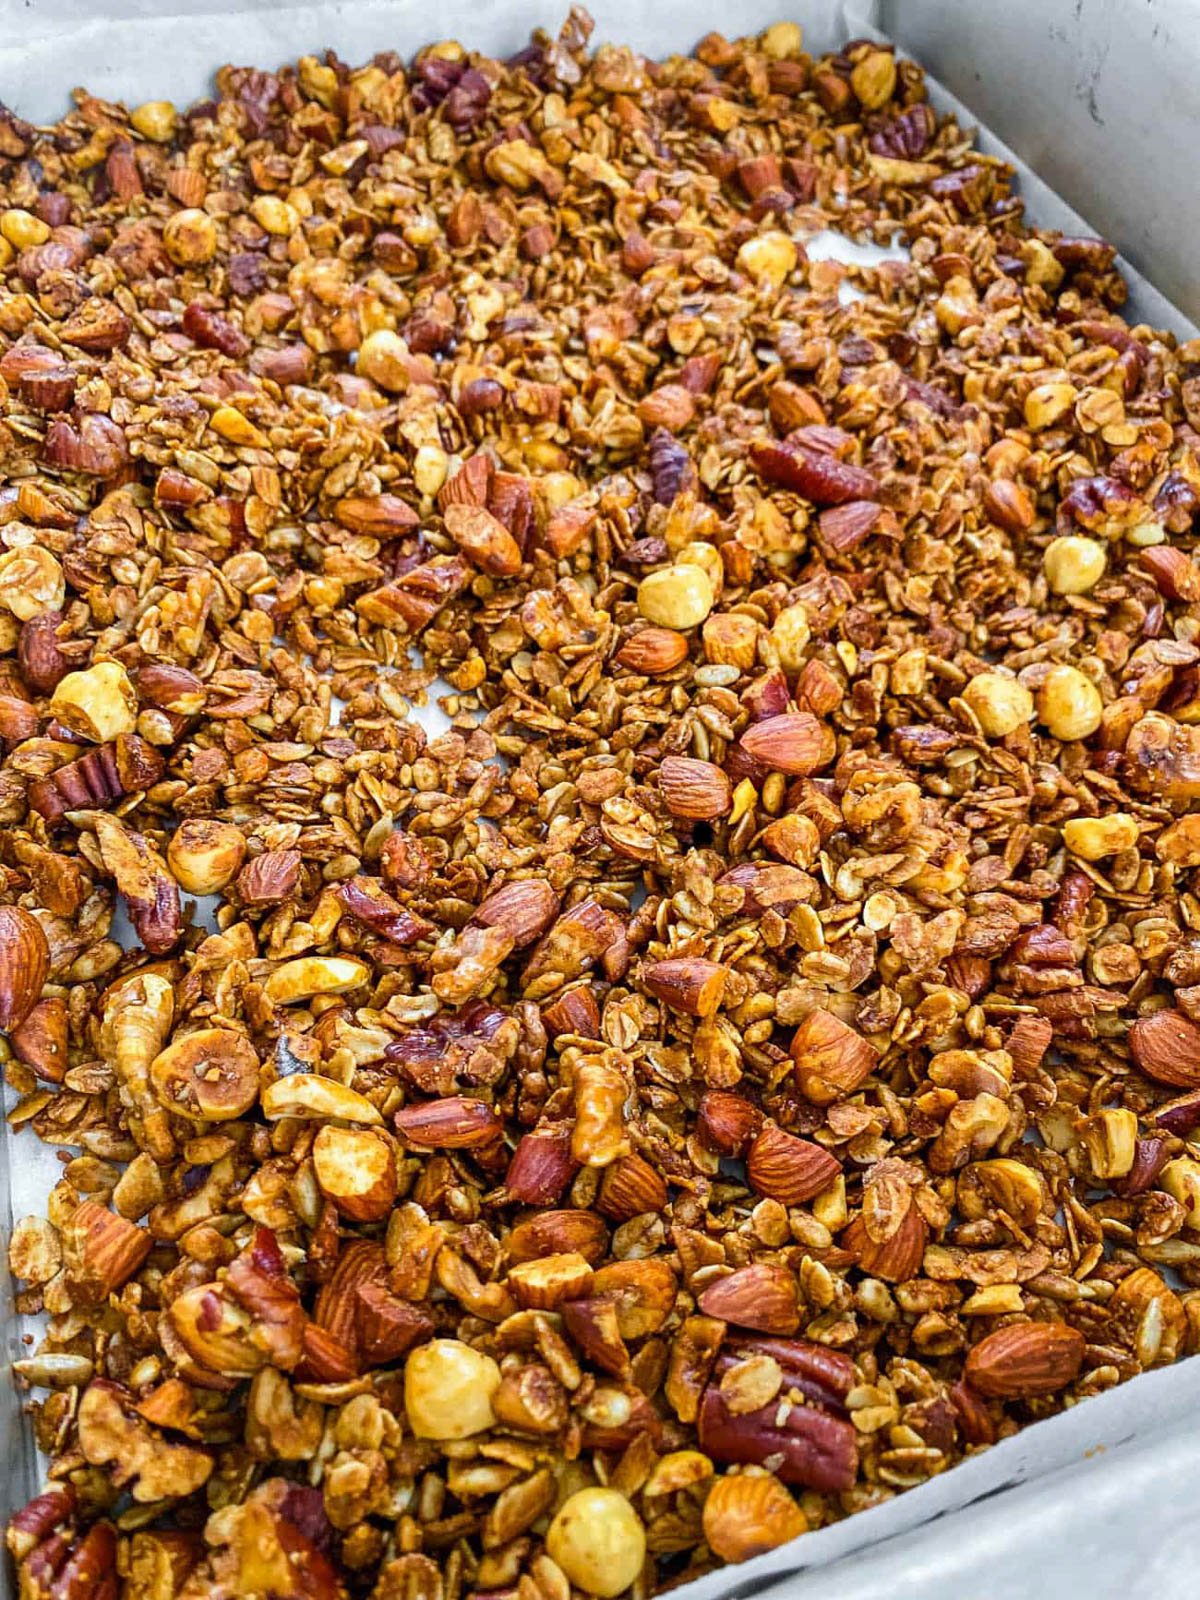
(546, 1233)
(896, 1259)
(1009, 505)
(793, 742)
(24, 964)
(782, 1167)
(541, 1166)
(653, 651)
(727, 1121)
(452, 1123)
(697, 791)
(1166, 1046)
(1024, 1360)
(525, 910)
(744, 1516)
(631, 1187)
(382, 516)
(762, 1297)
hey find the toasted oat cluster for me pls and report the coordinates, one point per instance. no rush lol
(747, 1063)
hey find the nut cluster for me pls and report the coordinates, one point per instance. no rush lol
(751, 1060)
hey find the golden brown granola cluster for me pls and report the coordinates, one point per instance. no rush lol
(747, 1063)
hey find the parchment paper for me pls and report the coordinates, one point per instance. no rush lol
(1084, 1504)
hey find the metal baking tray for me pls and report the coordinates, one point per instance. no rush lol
(1099, 97)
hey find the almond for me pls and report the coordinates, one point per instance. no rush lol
(652, 651)
(593, 1326)
(24, 964)
(545, 1284)
(792, 742)
(360, 1262)
(567, 528)
(386, 1326)
(643, 1292)
(42, 1040)
(831, 1059)
(356, 1169)
(745, 1516)
(573, 1012)
(895, 1259)
(541, 1167)
(1025, 1359)
(559, 1232)
(789, 1169)
(728, 1122)
(525, 910)
(381, 516)
(631, 1187)
(762, 1297)
(483, 539)
(1166, 1047)
(698, 791)
(453, 1123)
(102, 1251)
(326, 1359)
(687, 983)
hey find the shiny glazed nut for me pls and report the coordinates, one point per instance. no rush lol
(448, 1390)
(774, 936)
(1002, 704)
(1069, 704)
(204, 856)
(209, 1076)
(598, 1541)
(677, 597)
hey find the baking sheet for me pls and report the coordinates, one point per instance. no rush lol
(979, 1532)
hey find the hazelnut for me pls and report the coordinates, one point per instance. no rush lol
(190, 238)
(782, 41)
(1069, 704)
(383, 358)
(1074, 564)
(699, 553)
(98, 703)
(1002, 704)
(873, 79)
(448, 1389)
(1181, 1180)
(676, 597)
(155, 120)
(22, 229)
(1093, 838)
(274, 215)
(790, 634)
(598, 1541)
(1049, 402)
(768, 258)
(204, 855)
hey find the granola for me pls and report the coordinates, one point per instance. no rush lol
(748, 1062)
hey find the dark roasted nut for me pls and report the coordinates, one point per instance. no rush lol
(1025, 1359)
(24, 965)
